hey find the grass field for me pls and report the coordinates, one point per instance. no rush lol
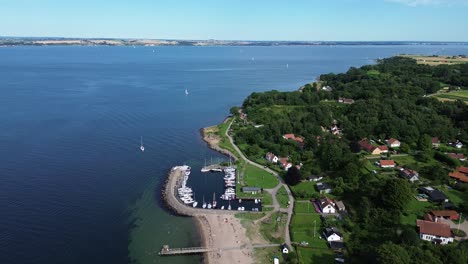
(415, 210)
(314, 256)
(455, 196)
(302, 229)
(255, 176)
(224, 140)
(272, 229)
(452, 96)
(303, 208)
(304, 190)
(282, 197)
(433, 61)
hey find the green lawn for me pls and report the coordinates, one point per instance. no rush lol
(314, 255)
(415, 210)
(456, 197)
(257, 177)
(373, 73)
(282, 197)
(302, 229)
(304, 208)
(459, 95)
(273, 230)
(266, 255)
(304, 190)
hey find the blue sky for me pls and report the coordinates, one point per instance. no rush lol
(432, 20)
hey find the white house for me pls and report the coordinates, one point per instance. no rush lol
(408, 174)
(284, 163)
(271, 157)
(324, 187)
(393, 143)
(435, 232)
(284, 249)
(332, 234)
(327, 206)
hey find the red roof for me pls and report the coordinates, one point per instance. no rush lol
(456, 155)
(392, 141)
(299, 139)
(383, 147)
(463, 169)
(365, 145)
(433, 228)
(444, 213)
(459, 176)
(289, 136)
(387, 163)
(435, 140)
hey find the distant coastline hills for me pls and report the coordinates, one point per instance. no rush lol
(51, 41)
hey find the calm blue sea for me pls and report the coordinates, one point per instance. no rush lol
(74, 187)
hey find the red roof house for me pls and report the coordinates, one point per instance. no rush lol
(387, 164)
(434, 231)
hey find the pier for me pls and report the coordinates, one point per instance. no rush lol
(166, 251)
(213, 168)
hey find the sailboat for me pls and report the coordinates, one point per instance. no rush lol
(204, 204)
(209, 206)
(214, 201)
(229, 207)
(195, 203)
(142, 148)
(186, 92)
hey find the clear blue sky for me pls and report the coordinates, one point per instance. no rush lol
(433, 20)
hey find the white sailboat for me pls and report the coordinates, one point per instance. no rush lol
(214, 200)
(195, 203)
(186, 92)
(229, 207)
(142, 148)
(204, 204)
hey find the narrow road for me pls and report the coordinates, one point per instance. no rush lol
(273, 191)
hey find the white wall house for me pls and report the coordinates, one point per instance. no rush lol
(435, 232)
(328, 209)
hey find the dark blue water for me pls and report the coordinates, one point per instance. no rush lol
(74, 187)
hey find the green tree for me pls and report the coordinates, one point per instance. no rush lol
(390, 253)
(293, 176)
(396, 193)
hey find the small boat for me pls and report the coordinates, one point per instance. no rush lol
(186, 92)
(222, 207)
(214, 201)
(204, 204)
(142, 148)
(229, 207)
(240, 200)
(195, 203)
(209, 206)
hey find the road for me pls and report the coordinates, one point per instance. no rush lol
(273, 191)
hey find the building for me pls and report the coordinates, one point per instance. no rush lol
(393, 143)
(340, 206)
(365, 145)
(326, 205)
(460, 174)
(456, 144)
(345, 100)
(284, 249)
(332, 234)
(251, 189)
(437, 233)
(299, 140)
(271, 157)
(324, 187)
(435, 142)
(284, 163)
(457, 156)
(387, 163)
(435, 215)
(434, 194)
(408, 174)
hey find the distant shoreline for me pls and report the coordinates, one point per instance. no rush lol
(50, 41)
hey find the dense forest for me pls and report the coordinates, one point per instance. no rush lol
(392, 99)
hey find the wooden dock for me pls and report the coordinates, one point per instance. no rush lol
(166, 251)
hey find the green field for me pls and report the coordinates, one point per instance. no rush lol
(224, 142)
(314, 255)
(272, 229)
(415, 210)
(451, 96)
(456, 197)
(304, 190)
(255, 176)
(302, 229)
(282, 197)
(304, 207)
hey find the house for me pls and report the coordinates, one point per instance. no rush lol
(299, 140)
(434, 194)
(340, 206)
(271, 157)
(276, 260)
(315, 178)
(365, 145)
(456, 144)
(387, 163)
(247, 189)
(435, 142)
(457, 156)
(327, 88)
(284, 249)
(435, 215)
(284, 163)
(408, 174)
(335, 130)
(332, 234)
(324, 187)
(460, 174)
(434, 232)
(345, 100)
(383, 149)
(326, 205)
(393, 143)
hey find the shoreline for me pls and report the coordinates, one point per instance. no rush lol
(218, 229)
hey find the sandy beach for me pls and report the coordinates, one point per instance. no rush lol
(225, 232)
